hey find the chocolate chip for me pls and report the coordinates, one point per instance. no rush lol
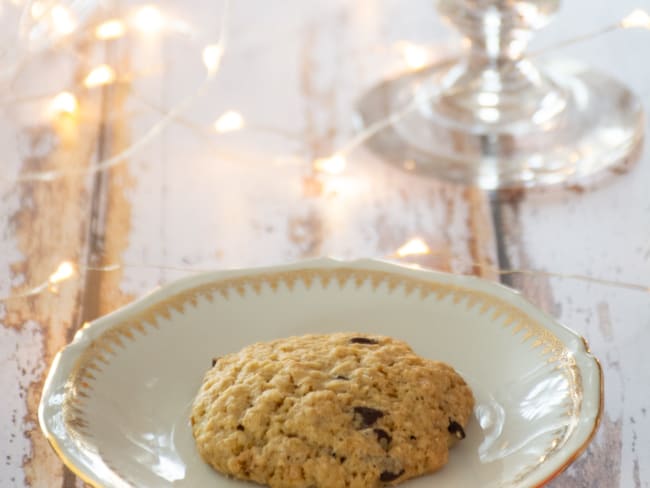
(383, 437)
(341, 459)
(413, 438)
(214, 361)
(456, 429)
(368, 415)
(240, 427)
(339, 377)
(362, 340)
(388, 476)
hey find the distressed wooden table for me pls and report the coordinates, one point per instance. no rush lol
(134, 188)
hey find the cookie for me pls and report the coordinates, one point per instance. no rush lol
(337, 410)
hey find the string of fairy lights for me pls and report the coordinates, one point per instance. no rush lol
(413, 248)
(149, 19)
(59, 21)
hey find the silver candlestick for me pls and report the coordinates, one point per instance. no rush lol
(497, 118)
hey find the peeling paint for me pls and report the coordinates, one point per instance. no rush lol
(45, 230)
(21, 366)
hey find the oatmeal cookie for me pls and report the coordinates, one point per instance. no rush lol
(335, 410)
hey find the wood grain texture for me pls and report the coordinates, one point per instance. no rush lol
(196, 200)
(47, 226)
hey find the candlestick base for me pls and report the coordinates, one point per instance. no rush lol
(582, 123)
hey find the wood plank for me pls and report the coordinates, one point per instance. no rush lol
(45, 223)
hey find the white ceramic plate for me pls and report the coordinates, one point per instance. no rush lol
(116, 403)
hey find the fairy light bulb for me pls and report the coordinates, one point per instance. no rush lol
(638, 18)
(149, 19)
(333, 165)
(37, 9)
(212, 55)
(229, 121)
(101, 75)
(413, 247)
(65, 271)
(415, 56)
(111, 29)
(62, 20)
(65, 103)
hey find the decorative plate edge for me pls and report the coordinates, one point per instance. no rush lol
(237, 282)
(599, 414)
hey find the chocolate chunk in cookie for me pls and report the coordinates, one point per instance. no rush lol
(367, 416)
(456, 429)
(363, 340)
(388, 476)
